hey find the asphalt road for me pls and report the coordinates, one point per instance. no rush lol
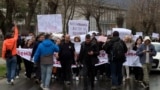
(25, 84)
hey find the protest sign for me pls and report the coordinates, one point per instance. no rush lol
(122, 32)
(139, 33)
(78, 27)
(135, 37)
(102, 39)
(109, 32)
(50, 23)
(155, 35)
(131, 58)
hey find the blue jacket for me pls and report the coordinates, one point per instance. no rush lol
(143, 55)
(45, 48)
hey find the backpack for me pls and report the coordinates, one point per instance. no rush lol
(8, 53)
(118, 52)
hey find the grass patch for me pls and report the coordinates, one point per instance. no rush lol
(2, 70)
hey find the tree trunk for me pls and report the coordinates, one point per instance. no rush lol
(31, 11)
(98, 25)
(53, 7)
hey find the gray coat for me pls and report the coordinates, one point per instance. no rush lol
(143, 55)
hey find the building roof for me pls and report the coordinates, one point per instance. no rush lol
(123, 4)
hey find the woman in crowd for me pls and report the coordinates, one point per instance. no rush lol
(138, 72)
(129, 43)
(77, 42)
(28, 65)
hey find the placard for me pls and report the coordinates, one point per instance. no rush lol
(51, 23)
(122, 32)
(78, 27)
(139, 33)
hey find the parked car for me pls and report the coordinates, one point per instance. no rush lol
(156, 59)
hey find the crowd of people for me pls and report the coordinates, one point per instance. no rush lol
(44, 47)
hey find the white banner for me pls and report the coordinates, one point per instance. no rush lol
(50, 23)
(155, 35)
(132, 59)
(122, 32)
(78, 27)
(139, 33)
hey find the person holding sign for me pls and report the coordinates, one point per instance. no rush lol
(146, 52)
(129, 43)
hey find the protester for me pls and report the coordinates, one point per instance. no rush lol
(66, 57)
(39, 39)
(129, 43)
(9, 53)
(28, 64)
(116, 49)
(19, 59)
(138, 71)
(88, 57)
(76, 70)
(44, 53)
(146, 52)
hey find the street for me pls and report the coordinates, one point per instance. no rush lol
(25, 84)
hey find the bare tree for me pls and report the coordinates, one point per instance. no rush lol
(97, 11)
(146, 14)
(7, 20)
(52, 6)
(68, 7)
(31, 11)
(85, 9)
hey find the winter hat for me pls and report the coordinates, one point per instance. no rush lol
(147, 38)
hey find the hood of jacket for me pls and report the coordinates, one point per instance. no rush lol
(115, 39)
(47, 43)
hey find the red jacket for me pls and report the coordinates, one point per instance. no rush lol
(10, 44)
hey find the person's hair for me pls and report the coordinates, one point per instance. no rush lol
(79, 40)
(88, 36)
(115, 34)
(8, 35)
(41, 34)
(47, 36)
(138, 39)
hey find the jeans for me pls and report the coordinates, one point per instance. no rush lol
(116, 73)
(146, 70)
(46, 73)
(11, 68)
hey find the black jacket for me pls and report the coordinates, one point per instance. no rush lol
(109, 47)
(35, 48)
(84, 58)
(66, 52)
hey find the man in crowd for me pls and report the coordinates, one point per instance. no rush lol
(146, 52)
(44, 53)
(88, 57)
(66, 57)
(39, 39)
(116, 49)
(9, 53)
